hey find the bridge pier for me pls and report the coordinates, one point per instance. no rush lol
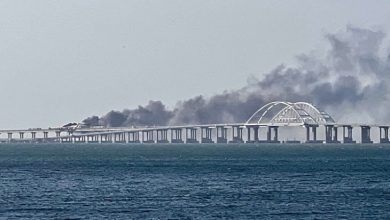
(162, 136)
(133, 137)
(274, 138)
(33, 135)
(314, 132)
(347, 135)
(115, 138)
(147, 137)
(10, 134)
(366, 139)
(206, 135)
(106, 138)
(86, 139)
(95, 139)
(92, 139)
(58, 136)
(66, 140)
(119, 137)
(384, 134)
(221, 135)
(191, 135)
(255, 134)
(236, 135)
(176, 136)
(45, 136)
(79, 139)
(69, 138)
(331, 134)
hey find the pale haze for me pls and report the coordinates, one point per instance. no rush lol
(62, 61)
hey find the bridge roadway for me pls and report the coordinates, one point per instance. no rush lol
(208, 133)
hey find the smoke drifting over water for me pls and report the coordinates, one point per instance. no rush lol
(351, 82)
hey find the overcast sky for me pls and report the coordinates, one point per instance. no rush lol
(61, 61)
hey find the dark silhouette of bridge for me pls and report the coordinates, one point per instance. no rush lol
(269, 119)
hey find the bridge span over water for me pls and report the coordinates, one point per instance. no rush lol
(262, 127)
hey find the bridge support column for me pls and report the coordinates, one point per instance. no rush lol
(72, 138)
(45, 136)
(109, 138)
(64, 140)
(58, 136)
(313, 129)
(92, 139)
(79, 139)
(133, 137)
(10, 137)
(221, 135)
(366, 139)
(147, 136)
(335, 135)
(162, 136)
(206, 135)
(119, 137)
(191, 135)
(347, 135)
(83, 139)
(255, 134)
(176, 136)
(102, 138)
(123, 137)
(97, 138)
(106, 138)
(33, 135)
(86, 139)
(236, 135)
(331, 134)
(115, 138)
(69, 138)
(274, 138)
(384, 134)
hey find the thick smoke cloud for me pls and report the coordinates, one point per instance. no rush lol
(152, 114)
(350, 81)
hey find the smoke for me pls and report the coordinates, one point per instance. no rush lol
(350, 81)
(153, 113)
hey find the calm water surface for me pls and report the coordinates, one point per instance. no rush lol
(195, 181)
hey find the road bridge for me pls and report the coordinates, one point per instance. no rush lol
(262, 127)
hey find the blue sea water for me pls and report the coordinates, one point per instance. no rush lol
(58, 181)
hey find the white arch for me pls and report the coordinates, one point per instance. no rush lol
(321, 114)
(265, 109)
(304, 113)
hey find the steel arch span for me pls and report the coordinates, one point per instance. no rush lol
(288, 113)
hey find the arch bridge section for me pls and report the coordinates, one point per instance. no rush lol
(276, 114)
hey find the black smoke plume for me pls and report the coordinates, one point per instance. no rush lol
(153, 113)
(350, 81)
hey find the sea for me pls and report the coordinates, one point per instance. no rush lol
(194, 181)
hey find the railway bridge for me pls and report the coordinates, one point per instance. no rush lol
(262, 127)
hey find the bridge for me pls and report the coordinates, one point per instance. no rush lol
(268, 120)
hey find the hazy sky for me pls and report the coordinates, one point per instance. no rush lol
(61, 61)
